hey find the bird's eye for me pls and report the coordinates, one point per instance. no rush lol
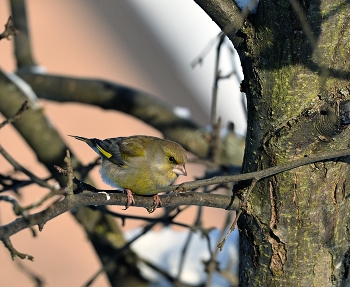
(172, 159)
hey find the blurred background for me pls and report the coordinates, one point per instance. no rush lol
(147, 45)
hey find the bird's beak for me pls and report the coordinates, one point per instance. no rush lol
(180, 169)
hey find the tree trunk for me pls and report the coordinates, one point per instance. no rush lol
(295, 229)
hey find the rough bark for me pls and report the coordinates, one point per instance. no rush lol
(295, 229)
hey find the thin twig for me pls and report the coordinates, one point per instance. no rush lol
(165, 274)
(212, 263)
(222, 243)
(14, 253)
(19, 113)
(186, 245)
(199, 60)
(10, 30)
(31, 274)
(304, 23)
(118, 254)
(216, 81)
(214, 143)
(20, 168)
(16, 184)
(162, 219)
(15, 205)
(70, 185)
(261, 173)
(53, 189)
(147, 228)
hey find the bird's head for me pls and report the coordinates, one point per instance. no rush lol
(174, 157)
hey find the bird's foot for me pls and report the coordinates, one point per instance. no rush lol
(156, 202)
(130, 198)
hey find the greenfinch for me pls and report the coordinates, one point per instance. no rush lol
(140, 164)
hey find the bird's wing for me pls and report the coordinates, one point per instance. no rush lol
(118, 150)
(132, 147)
(109, 149)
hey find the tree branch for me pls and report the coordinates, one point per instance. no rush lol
(34, 123)
(20, 168)
(261, 173)
(86, 199)
(23, 51)
(107, 95)
(227, 15)
(172, 200)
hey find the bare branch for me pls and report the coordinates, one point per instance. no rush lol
(222, 243)
(23, 51)
(86, 199)
(14, 253)
(185, 248)
(70, 185)
(261, 173)
(110, 96)
(20, 168)
(213, 117)
(226, 14)
(200, 58)
(163, 219)
(211, 264)
(31, 274)
(304, 23)
(174, 199)
(10, 183)
(119, 253)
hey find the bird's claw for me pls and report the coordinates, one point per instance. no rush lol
(156, 202)
(130, 199)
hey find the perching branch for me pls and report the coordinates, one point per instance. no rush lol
(86, 199)
(172, 200)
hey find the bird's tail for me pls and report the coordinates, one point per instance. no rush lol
(90, 142)
(80, 138)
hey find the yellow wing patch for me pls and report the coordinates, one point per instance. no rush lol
(104, 152)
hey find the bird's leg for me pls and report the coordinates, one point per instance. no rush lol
(130, 198)
(156, 202)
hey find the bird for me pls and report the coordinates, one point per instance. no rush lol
(139, 164)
